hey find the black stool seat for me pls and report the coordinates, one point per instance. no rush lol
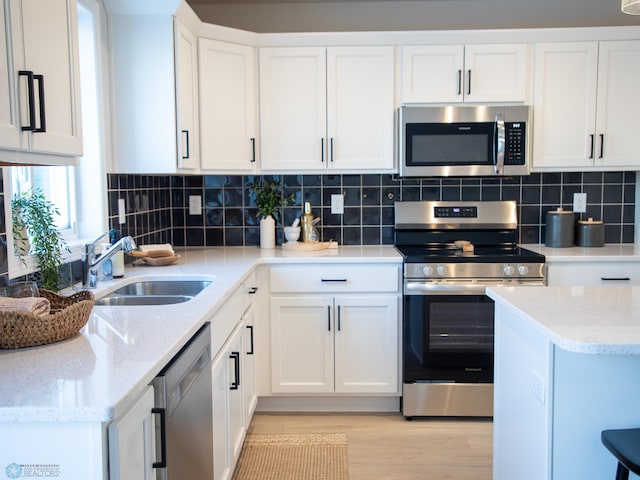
(625, 446)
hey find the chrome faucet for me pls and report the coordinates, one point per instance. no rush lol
(90, 263)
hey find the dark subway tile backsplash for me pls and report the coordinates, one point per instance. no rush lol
(158, 206)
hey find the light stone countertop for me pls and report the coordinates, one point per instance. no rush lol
(95, 375)
(590, 320)
(609, 253)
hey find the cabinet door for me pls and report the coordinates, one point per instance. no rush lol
(131, 442)
(220, 399)
(249, 364)
(227, 106)
(293, 108)
(49, 31)
(432, 73)
(618, 122)
(496, 73)
(187, 97)
(9, 131)
(564, 105)
(301, 345)
(236, 394)
(366, 344)
(360, 107)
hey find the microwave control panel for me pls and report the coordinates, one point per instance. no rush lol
(514, 149)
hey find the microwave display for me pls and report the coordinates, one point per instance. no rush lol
(463, 140)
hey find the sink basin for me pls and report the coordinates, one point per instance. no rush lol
(154, 292)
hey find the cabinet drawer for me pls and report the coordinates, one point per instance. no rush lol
(593, 273)
(343, 278)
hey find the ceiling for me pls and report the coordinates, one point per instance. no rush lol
(271, 16)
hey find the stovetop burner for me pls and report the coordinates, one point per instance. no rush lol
(482, 254)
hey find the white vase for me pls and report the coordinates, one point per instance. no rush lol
(267, 232)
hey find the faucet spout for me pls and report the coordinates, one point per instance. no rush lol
(91, 263)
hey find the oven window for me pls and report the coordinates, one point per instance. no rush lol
(460, 326)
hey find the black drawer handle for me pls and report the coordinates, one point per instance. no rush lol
(611, 279)
(333, 280)
(162, 463)
(253, 290)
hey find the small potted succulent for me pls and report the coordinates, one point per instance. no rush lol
(269, 200)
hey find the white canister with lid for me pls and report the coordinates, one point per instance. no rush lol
(559, 228)
(590, 233)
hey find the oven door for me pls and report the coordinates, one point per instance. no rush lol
(447, 333)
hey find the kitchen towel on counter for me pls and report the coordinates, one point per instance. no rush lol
(35, 305)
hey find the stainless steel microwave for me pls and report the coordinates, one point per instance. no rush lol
(479, 140)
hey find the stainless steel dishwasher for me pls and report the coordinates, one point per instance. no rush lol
(184, 435)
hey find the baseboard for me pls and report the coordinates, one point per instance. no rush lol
(328, 404)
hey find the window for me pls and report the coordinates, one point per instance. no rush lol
(86, 219)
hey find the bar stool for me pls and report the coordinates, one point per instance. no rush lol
(625, 446)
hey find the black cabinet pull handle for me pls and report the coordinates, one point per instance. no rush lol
(592, 145)
(43, 117)
(30, 100)
(163, 438)
(329, 317)
(601, 145)
(468, 82)
(334, 280)
(331, 149)
(339, 323)
(611, 279)
(253, 290)
(459, 82)
(322, 149)
(250, 327)
(253, 150)
(186, 143)
(236, 381)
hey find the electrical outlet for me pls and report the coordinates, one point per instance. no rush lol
(122, 210)
(580, 202)
(337, 203)
(537, 386)
(195, 204)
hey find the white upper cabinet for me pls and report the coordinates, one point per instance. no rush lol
(326, 108)
(228, 107)
(464, 73)
(186, 45)
(40, 105)
(585, 104)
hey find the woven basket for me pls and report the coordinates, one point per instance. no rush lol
(68, 315)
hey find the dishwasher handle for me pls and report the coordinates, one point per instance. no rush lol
(162, 463)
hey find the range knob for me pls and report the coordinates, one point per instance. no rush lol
(441, 270)
(508, 269)
(523, 269)
(427, 270)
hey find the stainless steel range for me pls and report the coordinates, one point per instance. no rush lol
(452, 252)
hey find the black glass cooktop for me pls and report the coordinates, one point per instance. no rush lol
(483, 254)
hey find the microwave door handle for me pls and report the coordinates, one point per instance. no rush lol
(500, 141)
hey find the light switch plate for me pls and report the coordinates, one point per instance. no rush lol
(122, 210)
(337, 204)
(580, 202)
(195, 204)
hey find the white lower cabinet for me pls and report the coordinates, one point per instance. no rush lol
(587, 273)
(131, 442)
(344, 338)
(334, 344)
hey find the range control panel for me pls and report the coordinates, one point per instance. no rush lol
(455, 212)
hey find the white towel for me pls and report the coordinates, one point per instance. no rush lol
(36, 305)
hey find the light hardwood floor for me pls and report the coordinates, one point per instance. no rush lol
(386, 446)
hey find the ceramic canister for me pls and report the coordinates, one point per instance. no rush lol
(559, 228)
(590, 233)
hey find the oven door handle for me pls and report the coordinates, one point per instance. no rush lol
(422, 288)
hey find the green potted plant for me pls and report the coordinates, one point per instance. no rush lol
(34, 232)
(269, 200)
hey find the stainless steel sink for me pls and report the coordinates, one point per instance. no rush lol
(154, 292)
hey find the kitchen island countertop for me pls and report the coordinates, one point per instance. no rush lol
(93, 376)
(591, 320)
